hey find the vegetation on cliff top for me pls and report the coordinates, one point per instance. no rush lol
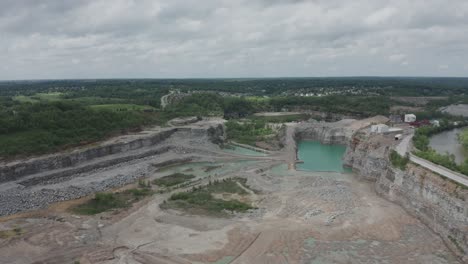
(46, 116)
(398, 161)
(247, 132)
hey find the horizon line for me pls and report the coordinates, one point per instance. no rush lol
(232, 78)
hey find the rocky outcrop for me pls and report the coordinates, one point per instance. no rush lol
(37, 182)
(438, 202)
(327, 133)
(20, 168)
(217, 134)
(367, 155)
(340, 132)
(81, 160)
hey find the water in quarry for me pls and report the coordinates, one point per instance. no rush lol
(447, 142)
(321, 157)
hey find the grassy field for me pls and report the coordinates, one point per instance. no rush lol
(110, 201)
(201, 200)
(39, 97)
(173, 179)
(25, 99)
(122, 107)
(92, 100)
(248, 132)
(57, 96)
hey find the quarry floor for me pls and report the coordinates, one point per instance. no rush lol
(302, 217)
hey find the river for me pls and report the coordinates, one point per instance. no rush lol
(447, 142)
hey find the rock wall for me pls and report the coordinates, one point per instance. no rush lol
(327, 133)
(367, 156)
(18, 169)
(438, 202)
(38, 182)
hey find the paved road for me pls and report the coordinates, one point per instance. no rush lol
(458, 177)
(164, 98)
(404, 146)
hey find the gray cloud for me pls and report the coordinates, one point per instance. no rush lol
(231, 38)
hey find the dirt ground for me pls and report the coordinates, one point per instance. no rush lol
(420, 100)
(302, 217)
(276, 113)
(456, 110)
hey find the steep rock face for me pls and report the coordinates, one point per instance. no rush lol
(367, 155)
(439, 203)
(40, 181)
(327, 133)
(18, 169)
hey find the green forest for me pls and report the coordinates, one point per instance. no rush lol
(45, 116)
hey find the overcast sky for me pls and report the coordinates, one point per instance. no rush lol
(232, 38)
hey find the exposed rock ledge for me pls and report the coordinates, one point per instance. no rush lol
(339, 132)
(438, 202)
(37, 182)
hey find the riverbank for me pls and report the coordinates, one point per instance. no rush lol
(448, 142)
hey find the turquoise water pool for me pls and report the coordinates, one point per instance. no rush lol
(321, 157)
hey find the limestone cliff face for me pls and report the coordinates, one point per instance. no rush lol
(439, 203)
(367, 155)
(37, 182)
(118, 151)
(327, 133)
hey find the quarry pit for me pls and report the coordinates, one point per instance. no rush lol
(374, 214)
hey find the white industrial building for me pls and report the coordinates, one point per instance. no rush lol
(410, 118)
(380, 128)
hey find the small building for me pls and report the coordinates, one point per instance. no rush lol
(410, 118)
(396, 119)
(380, 128)
(421, 123)
(435, 123)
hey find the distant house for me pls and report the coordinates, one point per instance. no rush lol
(396, 119)
(380, 128)
(410, 118)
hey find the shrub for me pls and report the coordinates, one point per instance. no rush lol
(398, 161)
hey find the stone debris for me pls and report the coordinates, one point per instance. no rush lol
(108, 172)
